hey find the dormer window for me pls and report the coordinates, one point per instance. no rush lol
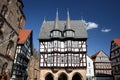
(55, 33)
(69, 33)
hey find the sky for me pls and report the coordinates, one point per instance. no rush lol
(102, 18)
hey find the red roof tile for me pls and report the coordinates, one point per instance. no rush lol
(93, 57)
(23, 35)
(117, 41)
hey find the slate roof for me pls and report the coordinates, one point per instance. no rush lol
(23, 35)
(77, 25)
(117, 41)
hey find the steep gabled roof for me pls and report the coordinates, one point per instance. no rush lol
(94, 56)
(77, 25)
(23, 35)
(117, 41)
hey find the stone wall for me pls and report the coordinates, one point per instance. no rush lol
(13, 20)
(44, 72)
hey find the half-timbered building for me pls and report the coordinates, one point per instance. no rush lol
(22, 55)
(102, 66)
(63, 49)
(115, 58)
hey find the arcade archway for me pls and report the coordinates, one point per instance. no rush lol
(76, 76)
(49, 77)
(4, 67)
(62, 76)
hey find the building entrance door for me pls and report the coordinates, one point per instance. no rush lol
(62, 77)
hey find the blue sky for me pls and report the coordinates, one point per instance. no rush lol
(102, 18)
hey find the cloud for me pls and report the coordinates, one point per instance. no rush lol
(90, 25)
(106, 30)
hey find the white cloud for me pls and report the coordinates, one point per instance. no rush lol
(105, 30)
(90, 25)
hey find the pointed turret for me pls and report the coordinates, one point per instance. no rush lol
(68, 21)
(56, 32)
(56, 20)
(68, 31)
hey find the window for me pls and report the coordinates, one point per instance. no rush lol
(62, 59)
(9, 47)
(50, 59)
(89, 64)
(4, 10)
(55, 43)
(75, 44)
(4, 68)
(1, 29)
(55, 33)
(12, 34)
(1, 23)
(69, 43)
(75, 59)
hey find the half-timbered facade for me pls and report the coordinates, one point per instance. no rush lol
(63, 49)
(115, 58)
(102, 66)
(22, 55)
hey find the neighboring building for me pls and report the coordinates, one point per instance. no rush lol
(102, 66)
(63, 49)
(11, 21)
(22, 55)
(90, 69)
(115, 58)
(33, 67)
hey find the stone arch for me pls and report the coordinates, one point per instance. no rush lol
(62, 76)
(4, 67)
(49, 76)
(77, 76)
(1, 62)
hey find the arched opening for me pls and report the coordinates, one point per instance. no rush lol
(63, 76)
(49, 77)
(9, 48)
(77, 76)
(1, 29)
(1, 64)
(4, 67)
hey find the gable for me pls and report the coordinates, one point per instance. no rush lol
(102, 57)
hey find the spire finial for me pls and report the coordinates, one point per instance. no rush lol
(68, 19)
(44, 20)
(56, 20)
(68, 12)
(82, 18)
(57, 12)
